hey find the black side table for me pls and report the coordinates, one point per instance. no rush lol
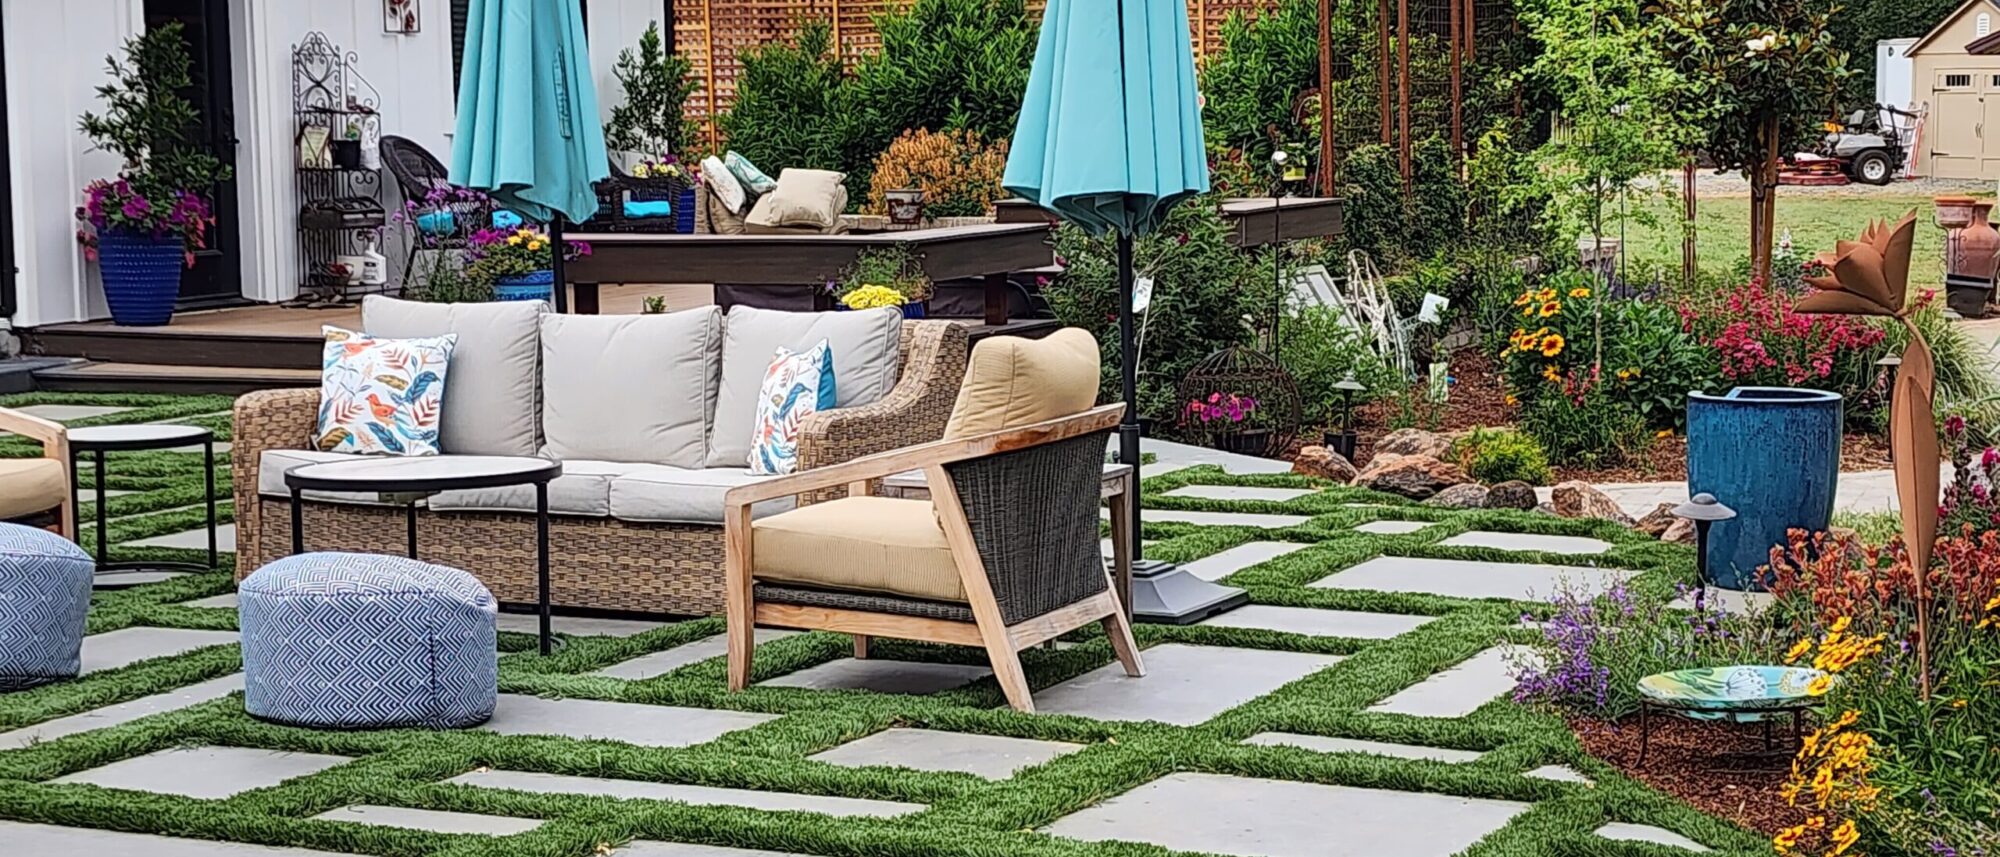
(413, 478)
(95, 441)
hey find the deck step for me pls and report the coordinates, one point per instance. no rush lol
(159, 378)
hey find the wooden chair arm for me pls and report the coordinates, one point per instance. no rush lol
(51, 433)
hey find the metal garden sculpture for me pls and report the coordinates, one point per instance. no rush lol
(1871, 277)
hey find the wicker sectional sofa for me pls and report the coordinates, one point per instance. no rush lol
(644, 411)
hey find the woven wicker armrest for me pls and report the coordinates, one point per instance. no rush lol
(266, 419)
(934, 354)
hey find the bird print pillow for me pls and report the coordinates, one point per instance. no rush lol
(381, 396)
(796, 386)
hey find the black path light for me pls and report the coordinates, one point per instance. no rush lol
(1344, 441)
(1704, 510)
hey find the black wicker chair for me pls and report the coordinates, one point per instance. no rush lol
(1012, 523)
(615, 189)
(418, 174)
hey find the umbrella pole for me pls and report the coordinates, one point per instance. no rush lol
(1128, 430)
(556, 264)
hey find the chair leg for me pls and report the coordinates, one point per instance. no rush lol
(1119, 629)
(739, 607)
(861, 646)
(1007, 670)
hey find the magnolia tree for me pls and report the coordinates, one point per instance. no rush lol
(1765, 73)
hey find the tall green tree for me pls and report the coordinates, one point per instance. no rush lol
(657, 85)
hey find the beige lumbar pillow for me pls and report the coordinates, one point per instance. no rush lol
(1013, 382)
(804, 198)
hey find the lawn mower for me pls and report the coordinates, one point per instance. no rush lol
(1868, 149)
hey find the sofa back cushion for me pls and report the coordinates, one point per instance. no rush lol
(867, 346)
(493, 404)
(634, 388)
(808, 198)
(1012, 382)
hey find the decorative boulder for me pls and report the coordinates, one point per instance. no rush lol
(1470, 495)
(1680, 532)
(1411, 441)
(44, 598)
(1513, 494)
(357, 641)
(1324, 463)
(1414, 476)
(1574, 499)
(1656, 522)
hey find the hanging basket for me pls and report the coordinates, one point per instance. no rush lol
(1241, 401)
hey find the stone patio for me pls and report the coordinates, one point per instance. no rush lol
(1459, 578)
(1627, 832)
(1392, 528)
(1240, 492)
(632, 723)
(1527, 542)
(882, 676)
(195, 539)
(1560, 774)
(431, 820)
(1351, 745)
(1317, 622)
(1274, 818)
(128, 646)
(1233, 560)
(225, 771)
(123, 712)
(44, 839)
(1458, 690)
(697, 795)
(66, 413)
(993, 757)
(1220, 519)
(577, 626)
(1184, 685)
(663, 662)
(675, 849)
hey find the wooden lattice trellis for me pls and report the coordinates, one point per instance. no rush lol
(711, 34)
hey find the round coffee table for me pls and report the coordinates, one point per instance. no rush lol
(95, 441)
(414, 478)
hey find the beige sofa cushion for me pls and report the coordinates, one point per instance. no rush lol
(724, 185)
(1012, 382)
(583, 490)
(858, 544)
(634, 388)
(810, 198)
(866, 347)
(656, 494)
(493, 404)
(713, 217)
(30, 486)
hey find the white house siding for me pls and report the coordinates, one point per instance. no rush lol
(55, 55)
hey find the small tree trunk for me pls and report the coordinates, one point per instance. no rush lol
(1763, 198)
(1690, 264)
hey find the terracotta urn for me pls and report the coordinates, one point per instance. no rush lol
(1977, 251)
(1954, 212)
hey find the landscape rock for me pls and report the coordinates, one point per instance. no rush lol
(1411, 441)
(1417, 477)
(1574, 499)
(1657, 521)
(1470, 495)
(1680, 532)
(1545, 508)
(1324, 463)
(1513, 494)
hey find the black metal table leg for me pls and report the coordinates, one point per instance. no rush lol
(298, 525)
(75, 496)
(410, 517)
(208, 480)
(542, 559)
(98, 466)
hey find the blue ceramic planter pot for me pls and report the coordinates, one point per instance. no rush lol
(684, 212)
(537, 286)
(142, 275)
(1773, 455)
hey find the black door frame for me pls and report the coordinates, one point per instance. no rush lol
(10, 273)
(219, 116)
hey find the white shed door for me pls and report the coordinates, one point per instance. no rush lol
(1957, 146)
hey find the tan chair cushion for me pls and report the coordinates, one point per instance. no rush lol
(1012, 382)
(31, 486)
(713, 217)
(811, 198)
(860, 544)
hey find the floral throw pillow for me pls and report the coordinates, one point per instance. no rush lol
(381, 396)
(796, 386)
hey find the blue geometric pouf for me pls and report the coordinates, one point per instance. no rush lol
(361, 641)
(44, 598)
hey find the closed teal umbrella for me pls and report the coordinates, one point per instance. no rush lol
(527, 113)
(1109, 138)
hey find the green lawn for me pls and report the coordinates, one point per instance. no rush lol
(1816, 219)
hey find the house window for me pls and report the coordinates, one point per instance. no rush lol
(1958, 80)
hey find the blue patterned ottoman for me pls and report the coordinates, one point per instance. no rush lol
(44, 597)
(360, 641)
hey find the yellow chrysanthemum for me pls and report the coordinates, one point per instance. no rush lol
(514, 240)
(1819, 686)
(1551, 308)
(1579, 292)
(1553, 345)
(1798, 650)
(534, 245)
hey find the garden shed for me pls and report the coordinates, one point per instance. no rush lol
(1956, 76)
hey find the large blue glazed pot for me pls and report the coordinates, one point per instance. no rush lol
(142, 275)
(1773, 455)
(535, 286)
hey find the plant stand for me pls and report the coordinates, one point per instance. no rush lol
(340, 210)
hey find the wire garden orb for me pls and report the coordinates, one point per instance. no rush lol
(1240, 400)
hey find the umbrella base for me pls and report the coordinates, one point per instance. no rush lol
(1165, 594)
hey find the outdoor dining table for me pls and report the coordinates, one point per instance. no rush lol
(405, 481)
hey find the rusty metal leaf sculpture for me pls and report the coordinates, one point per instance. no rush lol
(1871, 277)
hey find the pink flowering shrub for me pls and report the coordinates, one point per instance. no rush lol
(1763, 341)
(1220, 407)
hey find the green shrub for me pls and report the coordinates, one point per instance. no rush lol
(796, 107)
(1203, 291)
(1495, 455)
(1373, 218)
(657, 84)
(1653, 362)
(1319, 348)
(1579, 424)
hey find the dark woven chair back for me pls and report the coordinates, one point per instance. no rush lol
(1034, 517)
(417, 171)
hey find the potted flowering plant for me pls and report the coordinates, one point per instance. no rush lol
(515, 263)
(1223, 417)
(145, 224)
(883, 278)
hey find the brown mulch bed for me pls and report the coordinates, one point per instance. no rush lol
(1692, 760)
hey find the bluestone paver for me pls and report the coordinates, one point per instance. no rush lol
(1527, 542)
(663, 662)
(577, 626)
(679, 849)
(1459, 578)
(222, 771)
(1183, 685)
(431, 820)
(1221, 565)
(1319, 623)
(226, 600)
(1627, 832)
(195, 539)
(1459, 689)
(698, 795)
(1273, 818)
(1392, 528)
(991, 756)
(1240, 492)
(882, 676)
(130, 645)
(1559, 773)
(633, 723)
(65, 413)
(123, 712)
(1351, 745)
(1221, 519)
(46, 839)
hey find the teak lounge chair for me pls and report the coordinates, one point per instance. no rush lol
(1003, 556)
(36, 490)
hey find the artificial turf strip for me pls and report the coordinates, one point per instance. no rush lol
(964, 816)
